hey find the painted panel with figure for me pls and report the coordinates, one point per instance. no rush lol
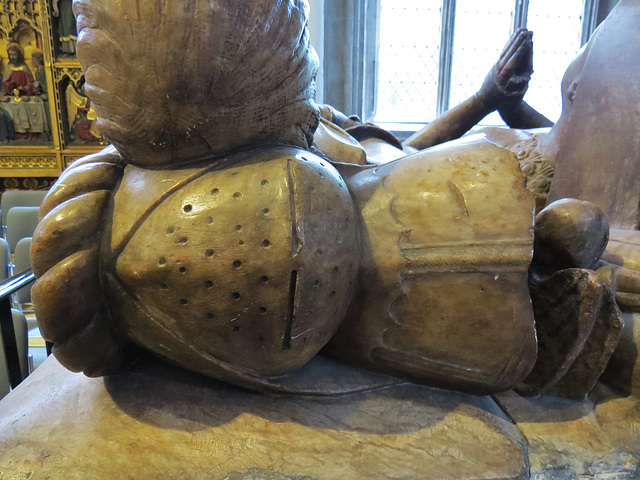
(25, 117)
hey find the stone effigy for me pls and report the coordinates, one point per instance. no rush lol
(214, 235)
(238, 260)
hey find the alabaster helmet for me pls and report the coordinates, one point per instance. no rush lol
(172, 81)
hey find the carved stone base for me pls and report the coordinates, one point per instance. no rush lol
(159, 422)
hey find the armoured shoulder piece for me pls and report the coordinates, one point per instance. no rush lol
(442, 296)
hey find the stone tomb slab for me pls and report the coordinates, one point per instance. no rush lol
(157, 421)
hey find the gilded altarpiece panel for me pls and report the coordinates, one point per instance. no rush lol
(46, 121)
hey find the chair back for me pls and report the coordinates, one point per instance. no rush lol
(21, 223)
(19, 198)
(5, 260)
(22, 261)
(20, 326)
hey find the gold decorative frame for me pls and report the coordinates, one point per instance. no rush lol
(33, 162)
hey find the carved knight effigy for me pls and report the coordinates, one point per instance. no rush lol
(216, 235)
(240, 231)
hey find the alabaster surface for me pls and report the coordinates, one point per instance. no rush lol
(156, 421)
(249, 304)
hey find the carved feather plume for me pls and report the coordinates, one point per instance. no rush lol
(176, 80)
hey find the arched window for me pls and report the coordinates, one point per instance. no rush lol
(400, 63)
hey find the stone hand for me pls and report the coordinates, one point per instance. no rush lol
(508, 80)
